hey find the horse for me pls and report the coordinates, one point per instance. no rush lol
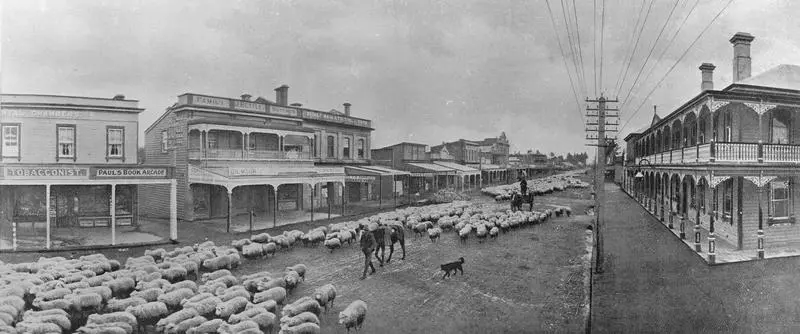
(517, 200)
(397, 235)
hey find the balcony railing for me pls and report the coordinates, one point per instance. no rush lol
(238, 154)
(727, 152)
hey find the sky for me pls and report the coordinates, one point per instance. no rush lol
(424, 71)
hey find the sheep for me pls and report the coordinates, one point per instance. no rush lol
(115, 317)
(325, 295)
(300, 269)
(212, 287)
(33, 314)
(119, 305)
(239, 244)
(192, 268)
(252, 284)
(85, 302)
(196, 298)
(173, 299)
(215, 274)
(269, 305)
(292, 278)
(107, 328)
(420, 228)
(181, 285)
(333, 243)
(217, 263)
(278, 294)
(205, 307)
(149, 295)
(103, 291)
(52, 294)
(304, 306)
(210, 326)
(272, 283)
(353, 315)
(253, 250)
(261, 238)
(299, 319)
(228, 281)
(14, 301)
(175, 318)
(463, 234)
(434, 233)
(175, 273)
(226, 309)
(37, 328)
(233, 293)
(266, 321)
(481, 232)
(493, 232)
(237, 328)
(155, 284)
(62, 321)
(304, 328)
(121, 287)
(62, 304)
(246, 314)
(157, 254)
(143, 276)
(185, 325)
(7, 329)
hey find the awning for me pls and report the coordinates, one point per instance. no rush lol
(486, 167)
(386, 170)
(460, 169)
(421, 169)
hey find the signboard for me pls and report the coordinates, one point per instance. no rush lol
(249, 106)
(210, 101)
(53, 114)
(329, 117)
(128, 172)
(359, 178)
(283, 111)
(254, 171)
(422, 174)
(45, 173)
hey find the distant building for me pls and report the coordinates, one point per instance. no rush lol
(498, 148)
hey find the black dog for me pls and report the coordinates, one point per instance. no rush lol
(453, 267)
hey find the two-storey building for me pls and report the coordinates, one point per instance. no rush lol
(466, 177)
(412, 157)
(237, 155)
(69, 174)
(726, 160)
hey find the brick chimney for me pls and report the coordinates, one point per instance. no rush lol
(282, 95)
(707, 70)
(347, 108)
(741, 55)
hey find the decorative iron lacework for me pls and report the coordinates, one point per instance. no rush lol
(760, 108)
(760, 181)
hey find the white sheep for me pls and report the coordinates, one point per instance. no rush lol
(226, 309)
(228, 280)
(304, 328)
(299, 319)
(103, 291)
(210, 326)
(325, 295)
(278, 294)
(186, 284)
(154, 284)
(173, 299)
(481, 232)
(272, 283)
(253, 250)
(234, 292)
(246, 314)
(176, 318)
(121, 286)
(269, 305)
(185, 325)
(118, 305)
(149, 295)
(62, 321)
(333, 243)
(205, 307)
(37, 328)
(196, 298)
(434, 233)
(353, 315)
(494, 232)
(267, 321)
(214, 275)
(300, 269)
(237, 328)
(309, 305)
(292, 278)
(115, 317)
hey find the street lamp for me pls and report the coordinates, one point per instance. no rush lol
(640, 178)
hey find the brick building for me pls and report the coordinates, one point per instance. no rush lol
(69, 174)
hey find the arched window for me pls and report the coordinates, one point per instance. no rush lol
(361, 148)
(346, 148)
(331, 147)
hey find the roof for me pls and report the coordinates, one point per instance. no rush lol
(782, 76)
(386, 170)
(205, 120)
(457, 167)
(430, 167)
(399, 144)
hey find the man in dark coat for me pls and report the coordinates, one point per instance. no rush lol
(380, 242)
(523, 186)
(368, 244)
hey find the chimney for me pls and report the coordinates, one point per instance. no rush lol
(347, 108)
(707, 70)
(741, 55)
(282, 95)
(246, 97)
(296, 104)
(119, 97)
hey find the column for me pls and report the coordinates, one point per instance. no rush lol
(697, 247)
(712, 256)
(313, 190)
(664, 186)
(173, 210)
(760, 141)
(113, 208)
(230, 208)
(280, 142)
(760, 250)
(47, 212)
(671, 196)
(682, 209)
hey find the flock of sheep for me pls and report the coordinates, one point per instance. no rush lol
(186, 290)
(538, 187)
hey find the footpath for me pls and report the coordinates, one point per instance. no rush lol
(652, 283)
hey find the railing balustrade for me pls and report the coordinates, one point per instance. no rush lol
(736, 152)
(238, 154)
(781, 153)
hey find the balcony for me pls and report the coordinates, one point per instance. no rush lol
(238, 154)
(729, 152)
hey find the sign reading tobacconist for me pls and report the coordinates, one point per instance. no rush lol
(45, 173)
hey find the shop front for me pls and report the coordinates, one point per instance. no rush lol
(43, 207)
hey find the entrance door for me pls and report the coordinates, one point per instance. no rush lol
(66, 208)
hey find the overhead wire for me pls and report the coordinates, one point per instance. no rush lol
(672, 40)
(564, 59)
(594, 46)
(676, 63)
(580, 47)
(573, 50)
(638, 75)
(602, 38)
(628, 50)
(635, 44)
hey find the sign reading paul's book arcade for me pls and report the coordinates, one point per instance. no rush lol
(130, 173)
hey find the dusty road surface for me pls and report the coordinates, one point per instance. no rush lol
(527, 280)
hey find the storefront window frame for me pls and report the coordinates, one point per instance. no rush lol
(3, 152)
(121, 144)
(74, 154)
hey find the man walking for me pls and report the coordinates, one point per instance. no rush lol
(368, 244)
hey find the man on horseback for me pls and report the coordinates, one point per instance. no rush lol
(523, 185)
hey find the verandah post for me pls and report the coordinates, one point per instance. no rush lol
(760, 250)
(697, 246)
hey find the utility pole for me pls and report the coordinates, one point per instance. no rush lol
(597, 122)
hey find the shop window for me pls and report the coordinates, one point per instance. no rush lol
(66, 141)
(331, 147)
(10, 138)
(779, 201)
(115, 138)
(212, 140)
(93, 201)
(29, 203)
(346, 148)
(780, 131)
(361, 148)
(164, 141)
